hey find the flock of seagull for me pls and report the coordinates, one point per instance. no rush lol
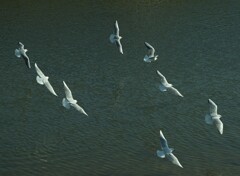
(43, 80)
(210, 118)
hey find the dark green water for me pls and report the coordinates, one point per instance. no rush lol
(198, 43)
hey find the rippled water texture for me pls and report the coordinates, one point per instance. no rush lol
(198, 47)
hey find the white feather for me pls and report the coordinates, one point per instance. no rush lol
(160, 154)
(65, 103)
(171, 157)
(39, 80)
(17, 53)
(111, 38)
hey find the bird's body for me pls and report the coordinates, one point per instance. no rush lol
(115, 37)
(151, 53)
(69, 101)
(213, 117)
(43, 80)
(165, 86)
(166, 151)
(21, 53)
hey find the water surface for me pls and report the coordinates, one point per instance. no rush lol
(198, 47)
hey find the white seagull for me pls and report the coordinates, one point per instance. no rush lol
(164, 85)
(69, 101)
(166, 151)
(150, 57)
(42, 79)
(214, 117)
(21, 52)
(115, 38)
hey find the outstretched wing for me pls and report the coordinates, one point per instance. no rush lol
(20, 45)
(79, 108)
(50, 88)
(212, 107)
(162, 78)
(163, 141)
(39, 72)
(171, 157)
(175, 91)
(151, 50)
(119, 45)
(116, 28)
(219, 125)
(67, 91)
(27, 60)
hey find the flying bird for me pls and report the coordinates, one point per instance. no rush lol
(213, 117)
(165, 86)
(21, 52)
(115, 37)
(43, 80)
(150, 56)
(69, 101)
(166, 151)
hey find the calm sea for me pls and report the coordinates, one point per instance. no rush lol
(198, 43)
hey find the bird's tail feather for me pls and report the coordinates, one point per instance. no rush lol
(160, 154)
(146, 59)
(111, 38)
(65, 103)
(17, 53)
(208, 119)
(39, 80)
(162, 88)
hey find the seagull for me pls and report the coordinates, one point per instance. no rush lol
(21, 52)
(164, 85)
(42, 79)
(69, 101)
(115, 38)
(150, 57)
(166, 151)
(214, 117)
